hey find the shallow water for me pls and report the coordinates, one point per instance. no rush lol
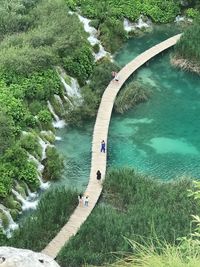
(159, 137)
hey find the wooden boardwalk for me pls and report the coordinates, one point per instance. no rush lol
(98, 161)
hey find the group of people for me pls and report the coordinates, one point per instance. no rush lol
(83, 200)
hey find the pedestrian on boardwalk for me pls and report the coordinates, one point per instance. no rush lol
(114, 75)
(103, 146)
(86, 201)
(80, 200)
(98, 175)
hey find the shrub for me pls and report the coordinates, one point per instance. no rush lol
(53, 164)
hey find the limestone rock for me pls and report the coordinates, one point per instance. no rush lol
(13, 257)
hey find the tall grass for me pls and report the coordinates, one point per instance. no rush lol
(134, 207)
(54, 210)
(171, 256)
(131, 95)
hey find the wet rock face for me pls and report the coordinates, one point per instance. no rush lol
(13, 257)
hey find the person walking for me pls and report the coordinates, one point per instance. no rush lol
(86, 201)
(98, 175)
(114, 75)
(80, 200)
(103, 146)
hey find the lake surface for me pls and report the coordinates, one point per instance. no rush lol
(160, 137)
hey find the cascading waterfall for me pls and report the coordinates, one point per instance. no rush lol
(140, 24)
(179, 19)
(73, 90)
(93, 37)
(26, 204)
(44, 146)
(67, 100)
(40, 168)
(12, 225)
(57, 123)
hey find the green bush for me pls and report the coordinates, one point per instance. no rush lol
(53, 164)
(31, 144)
(192, 13)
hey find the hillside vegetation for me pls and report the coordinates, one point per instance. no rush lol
(132, 207)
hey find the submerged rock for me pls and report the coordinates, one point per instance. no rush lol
(12, 257)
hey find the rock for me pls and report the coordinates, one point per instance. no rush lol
(13, 257)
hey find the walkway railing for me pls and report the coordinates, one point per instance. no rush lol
(98, 161)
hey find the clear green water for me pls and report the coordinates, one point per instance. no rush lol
(159, 137)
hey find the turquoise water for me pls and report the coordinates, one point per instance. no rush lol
(75, 147)
(159, 137)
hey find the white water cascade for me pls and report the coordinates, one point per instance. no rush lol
(57, 123)
(12, 225)
(93, 37)
(73, 90)
(44, 146)
(140, 24)
(26, 203)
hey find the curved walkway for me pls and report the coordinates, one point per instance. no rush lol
(98, 161)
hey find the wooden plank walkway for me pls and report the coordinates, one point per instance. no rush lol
(98, 161)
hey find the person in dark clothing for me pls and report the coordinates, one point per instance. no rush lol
(98, 175)
(103, 146)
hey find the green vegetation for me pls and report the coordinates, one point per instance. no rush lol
(131, 95)
(188, 47)
(134, 207)
(53, 164)
(107, 16)
(53, 211)
(92, 92)
(184, 255)
(35, 36)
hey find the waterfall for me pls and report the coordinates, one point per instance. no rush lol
(130, 26)
(93, 37)
(72, 90)
(142, 24)
(12, 225)
(31, 195)
(52, 111)
(75, 87)
(68, 100)
(57, 123)
(44, 146)
(43, 185)
(26, 204)
(180, 19)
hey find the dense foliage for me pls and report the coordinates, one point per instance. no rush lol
(133, 207)
(107, 16)
(35, 36)
(188, 47)
(41, 226)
